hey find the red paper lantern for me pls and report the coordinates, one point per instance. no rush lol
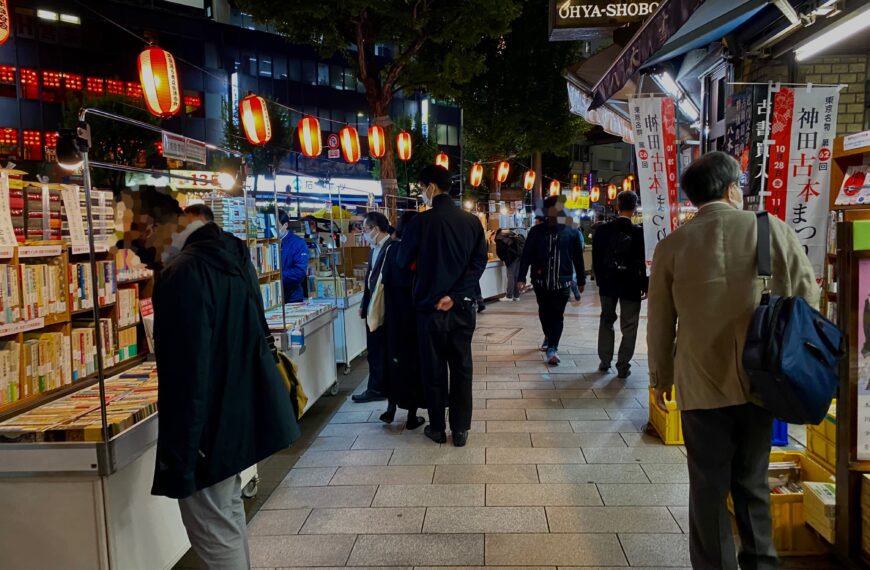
(403, 145)
(626, 184)
(504, 169)
(529, 180)
(442, 160)
(555, 188)
(595, 194)
(349, 144)
(575, 192)
(611, 191)
(377, 141)
(159, 78)
(476, 176)
(255, 119)
(5, 22)
(309, 137)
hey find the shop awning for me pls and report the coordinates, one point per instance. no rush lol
(607, 117)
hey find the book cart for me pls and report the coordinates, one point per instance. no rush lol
(78, 428)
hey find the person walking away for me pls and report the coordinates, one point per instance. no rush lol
(554, 253)
(619, 265)
(704, 289)
(377, 231)
(509, 248)
(294, 261)
(449, 249)
(575, 287)
(223, 405)
(404, 384)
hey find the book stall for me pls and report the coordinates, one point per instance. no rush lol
(498, 214)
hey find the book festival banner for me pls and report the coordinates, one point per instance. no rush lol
(655, 144)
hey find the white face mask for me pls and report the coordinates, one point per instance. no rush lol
(371, 237)
(734, 193)
(427, 198)
(282, 232)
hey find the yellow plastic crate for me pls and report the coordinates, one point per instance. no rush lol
(791, 535)
(822, 441)
(668, 426)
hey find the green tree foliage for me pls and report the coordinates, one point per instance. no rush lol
(423, 151)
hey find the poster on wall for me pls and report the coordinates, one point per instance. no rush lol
(863, 355)
(855, 190)
(655, 145)
(746, 119)
(802, 129)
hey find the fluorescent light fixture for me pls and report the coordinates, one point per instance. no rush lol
(671, 87)
(666, 82)
(689, 109)
(47, 15)
(834, 34)
(70, 19)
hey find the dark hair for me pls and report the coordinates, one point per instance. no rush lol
(708, 178)
(377, 220)
(626, 201)
(161, 207)
(283, 218)
(403, 222)
(434, 174)
(551, 201)
(200, 211)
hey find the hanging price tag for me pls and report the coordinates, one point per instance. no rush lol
(70, 195)
(7, 231)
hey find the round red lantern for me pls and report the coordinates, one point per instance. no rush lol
(442, 160)
(403, 145)
(349, 144)
(626, 184)
(377, 142)
(476, 176)
(255, 119)
(611, 191)
(595, 194)
(159, 79)
(309, 137)
(555, 188)
(529, 180)
(504, 169)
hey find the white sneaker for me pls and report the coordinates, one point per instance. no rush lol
(516, 299)
(505, 299)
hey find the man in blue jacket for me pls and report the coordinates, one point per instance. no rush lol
(294, 260)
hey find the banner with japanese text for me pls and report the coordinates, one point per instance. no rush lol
(655, 145)
(802, 130)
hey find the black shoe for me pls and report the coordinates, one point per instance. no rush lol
(368, 396)
(415, 422)
(436, 436)
(624, 373)
(603, 367)
(460, 438)
(481, 307)
(388, 417)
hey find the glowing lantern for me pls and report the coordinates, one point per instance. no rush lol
(309, 137)
(476, 175)
(377, 141)
(504, 169)
(575, 192)
(626, 184)
(611, 192)
(442, 160)
(349, 144)
(403, 145)
(595, 194)
(159, 78)
(255, 119)
(5, 24)
(555, 187)
(529, 180)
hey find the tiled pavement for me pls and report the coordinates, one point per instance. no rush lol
(557, 473)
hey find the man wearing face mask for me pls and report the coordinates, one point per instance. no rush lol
(376, 232)
(448, 246)
(294, 260)
(704, 289)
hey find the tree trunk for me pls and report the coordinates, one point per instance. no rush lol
(389, 184)
(537, 192)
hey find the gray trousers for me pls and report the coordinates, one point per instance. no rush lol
(215, 521)
(629, 318)
(512, 279)
(729, 451)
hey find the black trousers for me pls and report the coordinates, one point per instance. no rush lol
(629, 318)
(551, 311)
(376, 345)
(729, 451)
(445, 345)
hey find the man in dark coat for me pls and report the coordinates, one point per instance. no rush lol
(222, 404)
(618, 261)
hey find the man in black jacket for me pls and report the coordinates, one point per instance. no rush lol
(554, 251)
(448, 247)
(509, 248)
(620, 271)
(222, 404)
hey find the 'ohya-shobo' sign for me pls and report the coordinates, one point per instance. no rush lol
(578, 19)
(586, 11)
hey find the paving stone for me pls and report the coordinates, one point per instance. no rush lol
(667, 550)
(537, 393)
(528, 426)
(440, 456)
(350, 417)
(634, 455)
(351, 406)
(383, 475)
(577, 440)
(528, 404)
(542, 385)
(485, 519)
(490, 415)
(391, 441)
(431, 496)
(623, 392)
(555, 549)
(610, 520)
(510, 440)
(354, 568)
(642, 440)
(617, 404)
(414, 550)
(332, 443)
(659, 494)
(478, 426)
(681, 515)
(591, 474)
(666, 473)
(303, 551)
(497, 394)
(484, 568)
(590, 414)
(542, 495)
(311, 477)
(598, 426)
(637, 414)
(533, 456)
(470, 474)
(311, 497)
(277, 522)
(338, 430)
(370, 521)
(340, 458)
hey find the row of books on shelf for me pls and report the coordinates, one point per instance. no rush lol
(81, 287)
(229, 214)
(266, 257)
(42, 290)
(271, 293)
(37, 213)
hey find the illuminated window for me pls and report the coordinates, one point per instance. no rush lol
(159, 147)
(51, 139)
(29, 83)
(134, 90)
(95, 86)
(7, 74)
(8, 137)
(192, 102)
(72, 82)
(32, 145)
(51, 79)
(114, 87)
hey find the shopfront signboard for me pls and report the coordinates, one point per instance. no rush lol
(174, 146)
(746, 118)
(655, 146)
(588, 19)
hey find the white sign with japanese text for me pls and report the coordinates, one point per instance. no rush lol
(655, 144)
(802, 130)
(174, 146)
(7, 231)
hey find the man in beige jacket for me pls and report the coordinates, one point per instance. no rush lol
(703, 291)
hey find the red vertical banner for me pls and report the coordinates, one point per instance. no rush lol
(669, 142)
(778, 158)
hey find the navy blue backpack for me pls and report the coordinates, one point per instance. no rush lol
(792, 352)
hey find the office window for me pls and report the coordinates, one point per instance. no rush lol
(72, 82)
(7, 81)
(51, 86)
(323, 74)
(294, 69)
(452, 136)
(133, 90)
(51, 139)
(193, 104)
(279, 70)
(9, 141)
(114, 87)
(32, 145)
(309, 72)
(349, 79)
(29, 83)
(360, 88)
(337, 76)
(95, 86)
(441, 134)
(265, 66)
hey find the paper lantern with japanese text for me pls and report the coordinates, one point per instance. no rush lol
(555, 188)
(403, 145)
(159, 78)
(476, 176)
(349, 144)
(309, 137)
(5, 22)
(504, 168)
(611, 191)
(529, 180)
(377, 142)
(255, 120)
(442, 160)
(595, 193)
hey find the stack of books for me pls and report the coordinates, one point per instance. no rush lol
(46, 362)
(42, 290)
(84, 352)
(128, 306)
(10, 301)
(265, 257)
(103, 211)
(10, 371)
(16, 210)
(128, 344)
(81, 284)
(229, 214)
(271, 293)
(42, 211)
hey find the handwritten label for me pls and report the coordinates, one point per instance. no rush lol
(7, 231)
(25, 251)
(70, 195)
(99, 247)
(22, 326)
